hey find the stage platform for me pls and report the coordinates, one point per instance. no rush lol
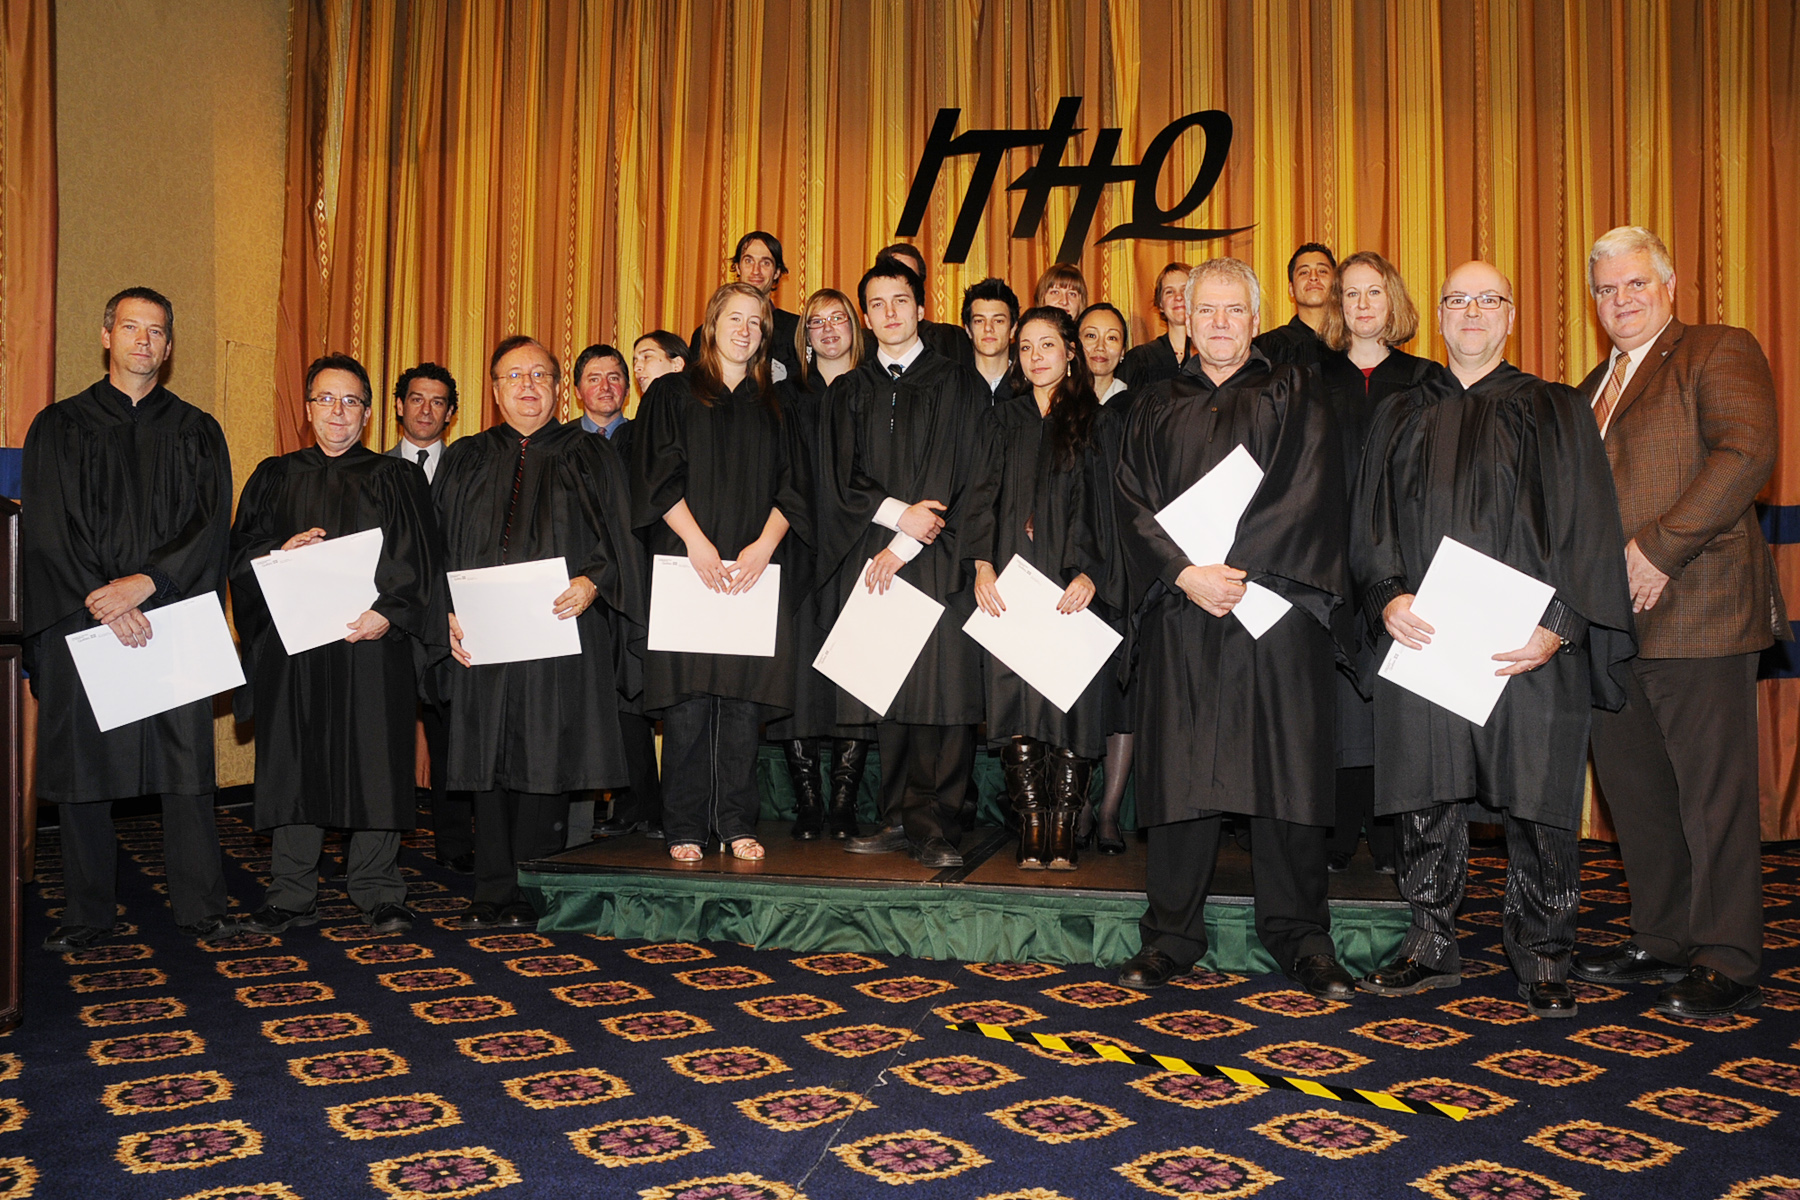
(813, 897)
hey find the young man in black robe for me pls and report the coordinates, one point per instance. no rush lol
(951, 341)
(523, 735)
(1311, 269)
(334, 744)
(1228, 722)
(126, 507)
(898, 478)
(990, 314)
(1512, 466)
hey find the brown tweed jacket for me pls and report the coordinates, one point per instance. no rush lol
(1692, 442)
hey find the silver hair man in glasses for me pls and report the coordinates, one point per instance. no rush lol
(1509, 465)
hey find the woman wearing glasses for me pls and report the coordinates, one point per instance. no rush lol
(334, 723)
(713, 480)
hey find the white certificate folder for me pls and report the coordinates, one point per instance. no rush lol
(190, 657)
(1479, 607)
(314, 593)
(507, 613)
(688, 617)
(1057, 653)
(877, 638)
(1203, 521)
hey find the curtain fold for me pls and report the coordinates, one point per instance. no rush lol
(27, 217)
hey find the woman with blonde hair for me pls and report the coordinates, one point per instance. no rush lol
(1063, 286)
(828, 339)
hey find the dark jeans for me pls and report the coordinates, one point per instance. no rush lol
(926, 775)
(511, 828)
(90, 855)
(709, 769)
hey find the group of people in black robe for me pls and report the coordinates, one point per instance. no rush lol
(853, 444)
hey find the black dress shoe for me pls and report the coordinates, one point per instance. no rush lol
(1706, 993)
(654, 831)
(479, 915)
(1321, 976)
(1406, 977)
(75, 937)
(518, 915)
(1149, 968)
(1337, 864)
(269, 919)
(389, 918)
(211, 929)
(1551, 998)
(614, 827)
(462, 864)
(884, 841)
(1108, 845)
(937, 853)
(1625, 963)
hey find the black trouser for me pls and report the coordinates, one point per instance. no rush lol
(511, 828)
(1679, 766)
(1287, 862)
(1543, 890)
(643, 800)
(926, 774)
(452, 813)
(1356, 812)
(371, 867)
(90, 856)
(709, 774)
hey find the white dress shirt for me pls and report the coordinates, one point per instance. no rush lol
(1612, 362)
(434, 454)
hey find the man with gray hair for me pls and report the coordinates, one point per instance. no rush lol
(1688, 417)
(1228, 721)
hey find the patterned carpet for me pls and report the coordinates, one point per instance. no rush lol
(328, 1063)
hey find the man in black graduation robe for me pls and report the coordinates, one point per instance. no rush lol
(1512, 466)
(949, 341)
(1228, 722)
(334, 742)
(898, 477)
(1311, 268)
(126, 507)
(523, 735)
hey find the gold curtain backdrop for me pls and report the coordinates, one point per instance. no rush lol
(460, 170)
(27, 218)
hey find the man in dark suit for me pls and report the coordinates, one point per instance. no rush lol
(1687, 413)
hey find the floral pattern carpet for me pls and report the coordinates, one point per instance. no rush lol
(327, 1063)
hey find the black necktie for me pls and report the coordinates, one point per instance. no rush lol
(513, 504)
(424, 457)
(895, 369)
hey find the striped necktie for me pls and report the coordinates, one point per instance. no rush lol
(1609, 395)
(513, 504)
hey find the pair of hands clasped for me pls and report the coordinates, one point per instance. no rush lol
(1075, 598)
(922, 524)
(741, 575)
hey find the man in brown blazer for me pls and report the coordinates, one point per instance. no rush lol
(1687, 413)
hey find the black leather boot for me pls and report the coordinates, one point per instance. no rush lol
(1026, 771)
(1070, 778)
(809, 789)
(848, 756)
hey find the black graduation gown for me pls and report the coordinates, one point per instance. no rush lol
(334, 724)
(1152, 362)
(1512, 467)
(782, 346)
(1228, 722)
(1073, 532)
(550, 725)
(732, 461)
(111, 490)
(915, 438)
(1293, 344)
(1353, 400)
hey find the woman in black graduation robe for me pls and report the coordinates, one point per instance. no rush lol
(334, 724)
(1051, 456)
(713, 477)
(523, 735)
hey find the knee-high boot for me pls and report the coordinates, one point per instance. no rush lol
(1028, 795)
(848, 756)
(1070, 778)
(809, 789)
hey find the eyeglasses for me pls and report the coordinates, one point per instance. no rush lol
(539, 376)
(831, 322)
(329, 401)
(1488, 301)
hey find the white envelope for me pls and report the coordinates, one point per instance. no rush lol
(190, 657)
(1203, 521)
(1479, 607)
(1057, 653)
(315, 592)
(688, 617)
(506, 612)
(876, 640)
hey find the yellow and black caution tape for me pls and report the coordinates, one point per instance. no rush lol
(1237, 1075)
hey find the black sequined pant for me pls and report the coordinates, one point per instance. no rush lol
(1543, 890)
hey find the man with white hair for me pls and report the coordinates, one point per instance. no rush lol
(1688, 417)
(1227, 721)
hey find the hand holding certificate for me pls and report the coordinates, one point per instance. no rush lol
(688, 617)
(508, 614)
(1477, 607)
(1055, 652)
(189, 657)
(1203, 521)
(314, 594)
(876, 640)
